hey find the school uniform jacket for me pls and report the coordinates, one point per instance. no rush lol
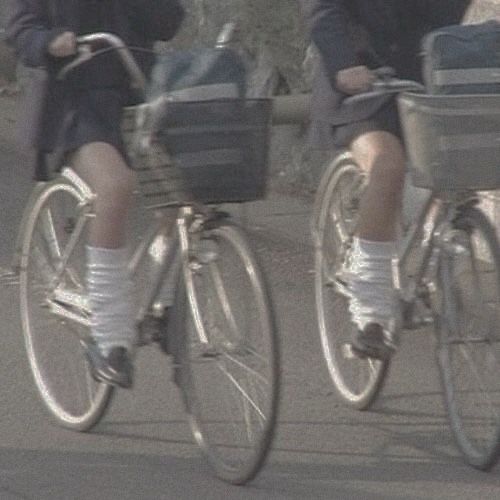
(375, 33)
(33, 24)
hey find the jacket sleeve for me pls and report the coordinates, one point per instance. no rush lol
(29, 32)
(328, 23)
(155, 19)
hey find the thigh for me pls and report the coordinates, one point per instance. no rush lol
(103, 168)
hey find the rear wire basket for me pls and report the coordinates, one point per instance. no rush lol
(213, 151)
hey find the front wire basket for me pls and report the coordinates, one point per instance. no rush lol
(212, 151)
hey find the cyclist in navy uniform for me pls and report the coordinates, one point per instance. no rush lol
(89, 105)
(352, 38)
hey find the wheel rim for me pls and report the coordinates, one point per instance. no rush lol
(234, 391)
(471, 346)
(53, 344)
(354, 378)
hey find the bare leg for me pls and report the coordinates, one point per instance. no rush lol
(108, 282)
(381, 155)
(103, 168)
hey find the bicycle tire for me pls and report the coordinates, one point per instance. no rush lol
(224, 375)
(357, 381)
(53, 346)
(468, 336)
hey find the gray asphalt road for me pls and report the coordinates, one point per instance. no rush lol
(143, 448)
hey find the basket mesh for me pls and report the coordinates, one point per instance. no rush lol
(210, 151)
(453, 141)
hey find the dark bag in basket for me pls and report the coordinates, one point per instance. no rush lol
(219, 147)
(452, 132)
(216, 141)
(463, 59)
(205, 67)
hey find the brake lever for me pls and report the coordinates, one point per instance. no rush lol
(85, 53)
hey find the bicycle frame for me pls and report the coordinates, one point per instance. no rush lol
(74, 306)
(410, 289)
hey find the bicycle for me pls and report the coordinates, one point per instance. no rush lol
(221, 331)
(446, 271)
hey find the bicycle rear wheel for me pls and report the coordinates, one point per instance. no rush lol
(357, 381)
(469, 337)
(231, 381)
(52, 292)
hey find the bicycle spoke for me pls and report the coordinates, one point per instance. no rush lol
(469, 360)
(242, 391)
(234, 389)
(247, 368)
(223, 300)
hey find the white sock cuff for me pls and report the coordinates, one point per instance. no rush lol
(376, 249)
(113, 257)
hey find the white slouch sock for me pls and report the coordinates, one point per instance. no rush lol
(110, 293)
(371, 283)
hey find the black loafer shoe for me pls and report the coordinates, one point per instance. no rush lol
(114, 369)
(371, 342)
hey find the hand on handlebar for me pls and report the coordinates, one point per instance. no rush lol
(64, 45)
(382, 81)
(84, 49)
(355, 80)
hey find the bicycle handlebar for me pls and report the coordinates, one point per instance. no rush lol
(286, 109)
(85, 54)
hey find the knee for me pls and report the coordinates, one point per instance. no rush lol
(384, 158)
(106, 172)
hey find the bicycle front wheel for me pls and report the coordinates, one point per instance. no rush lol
(231, 361)
(469, 338)
(53, 312)
(357, 381)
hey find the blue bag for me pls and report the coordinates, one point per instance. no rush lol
(463, 59)
(206, 67)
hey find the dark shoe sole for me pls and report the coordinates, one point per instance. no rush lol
(371, 343)
(102, 372)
